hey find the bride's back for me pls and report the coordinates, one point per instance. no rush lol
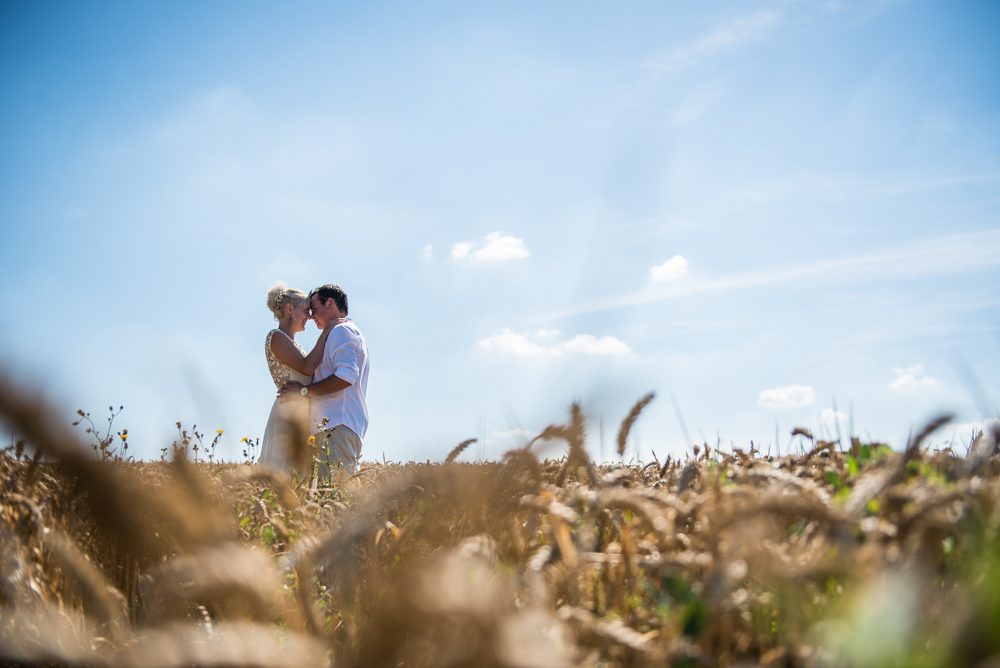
(281, 373)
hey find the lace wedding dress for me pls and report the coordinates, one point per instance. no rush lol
(277, 445)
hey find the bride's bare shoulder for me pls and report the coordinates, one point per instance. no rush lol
(278, 331)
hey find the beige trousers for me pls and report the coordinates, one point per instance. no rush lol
(336, 447)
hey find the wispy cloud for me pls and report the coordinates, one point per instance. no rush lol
(496, 247)
(747, 30)
(788, 396)
(516, 433)
(508, 342)
(830, 416)
(696, 106)
(427, 252)
(911, 378)
(840, 187)
(670, 270)
(215, 114)
(803, 183)
(590, 345)
(930, 257)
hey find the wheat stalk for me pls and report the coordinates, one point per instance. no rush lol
(629, 420)
(457, 450)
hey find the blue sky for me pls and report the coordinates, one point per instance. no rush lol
(761, 208)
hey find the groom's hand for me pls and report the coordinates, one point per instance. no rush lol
(291, 390)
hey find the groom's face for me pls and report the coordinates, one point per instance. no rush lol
(323, 313)
(318, 312)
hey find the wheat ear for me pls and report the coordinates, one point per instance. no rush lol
(453, 455)
(629, 420)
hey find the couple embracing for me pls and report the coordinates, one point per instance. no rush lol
(321, 392)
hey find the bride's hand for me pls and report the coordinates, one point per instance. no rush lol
(333, 323)
(290, 390)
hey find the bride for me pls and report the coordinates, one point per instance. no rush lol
(288, 361)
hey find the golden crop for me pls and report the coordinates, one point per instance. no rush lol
(861, 556)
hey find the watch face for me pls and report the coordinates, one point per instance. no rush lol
(304, 391)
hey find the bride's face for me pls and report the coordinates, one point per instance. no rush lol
(299, 316)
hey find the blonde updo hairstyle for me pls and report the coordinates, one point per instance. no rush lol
(280, 296)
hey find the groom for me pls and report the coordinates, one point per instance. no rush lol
(337, 408)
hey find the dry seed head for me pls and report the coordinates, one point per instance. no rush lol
(453, 455)
(629, 420)
(739, 554)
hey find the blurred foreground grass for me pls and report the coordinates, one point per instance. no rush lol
(860, 557)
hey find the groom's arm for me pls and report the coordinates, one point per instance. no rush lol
(328, 385)
(345, 372)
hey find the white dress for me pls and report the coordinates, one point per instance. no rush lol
(276, 447)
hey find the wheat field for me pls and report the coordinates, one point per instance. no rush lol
(848, 554)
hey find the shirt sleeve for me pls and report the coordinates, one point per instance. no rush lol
(345, 359)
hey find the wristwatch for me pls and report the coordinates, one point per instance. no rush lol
(304, 391)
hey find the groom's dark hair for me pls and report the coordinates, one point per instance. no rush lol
(334, 292)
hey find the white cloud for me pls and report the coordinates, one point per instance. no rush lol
(907, 382)
(499, 248)
(516, 433)
(789, 396)
(546, 333)
(830, 416)
(427, 252)
(496, 247)
(589, 345)
(911, 378)
(929, 257)
(670, 270)
(508, 342)
(746, 30)
(461, 249)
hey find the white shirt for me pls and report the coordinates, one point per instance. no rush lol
(346, 357)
